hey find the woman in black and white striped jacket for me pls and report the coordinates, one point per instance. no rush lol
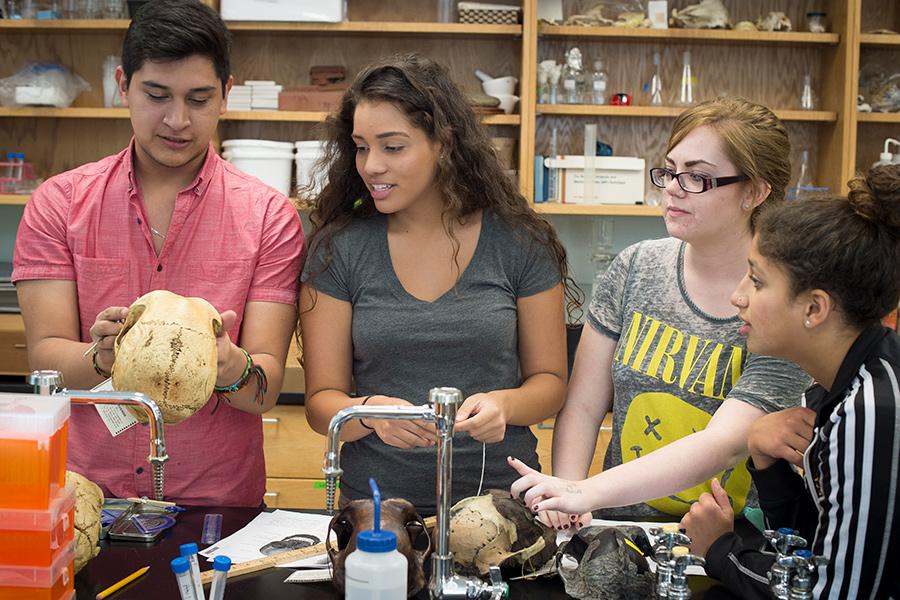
(822, 274)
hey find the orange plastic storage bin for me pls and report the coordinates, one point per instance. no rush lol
(33, 431)
(37, 537)
(56, 582)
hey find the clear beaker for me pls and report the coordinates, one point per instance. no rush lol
(445, 10)
(110, 87)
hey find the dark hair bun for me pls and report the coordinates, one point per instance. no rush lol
(876, 197)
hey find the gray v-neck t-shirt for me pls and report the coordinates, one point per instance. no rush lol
(402, 347)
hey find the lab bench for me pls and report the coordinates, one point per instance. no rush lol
(119, 559)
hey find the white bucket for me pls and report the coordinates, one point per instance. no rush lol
(272, 167)
(308, 153)
(267, 144)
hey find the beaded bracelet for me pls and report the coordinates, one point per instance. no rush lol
(97, 367)
(242, 380)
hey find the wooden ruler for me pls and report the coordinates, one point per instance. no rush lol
(269, 562)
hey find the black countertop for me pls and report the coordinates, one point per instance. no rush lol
(119, 559)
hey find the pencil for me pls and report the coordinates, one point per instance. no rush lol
(121, 583)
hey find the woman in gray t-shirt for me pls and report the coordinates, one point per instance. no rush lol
(662, 349)
(427, 268)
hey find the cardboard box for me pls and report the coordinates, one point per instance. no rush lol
(324, 11)
(325, 98)
(617, 180)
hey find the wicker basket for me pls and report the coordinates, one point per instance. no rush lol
(488, 14)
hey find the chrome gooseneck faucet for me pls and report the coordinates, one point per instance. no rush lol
(48, 383)
(443, 403)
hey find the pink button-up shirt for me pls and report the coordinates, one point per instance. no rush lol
(231, 240)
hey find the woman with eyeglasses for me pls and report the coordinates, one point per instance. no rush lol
(662, 348)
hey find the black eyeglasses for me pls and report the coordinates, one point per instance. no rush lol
(693, 183)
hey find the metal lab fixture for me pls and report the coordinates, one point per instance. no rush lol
(678, 564)
(47, 383)
(667, 537)
(441, 410)
(784, 540)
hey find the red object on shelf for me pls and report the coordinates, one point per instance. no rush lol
(621, 99)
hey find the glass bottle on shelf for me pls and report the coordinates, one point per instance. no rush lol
(807, 98)
(653, 85)
(686, 92)
(601, 249)
(804, 186)
(573, 77)
(599, 81)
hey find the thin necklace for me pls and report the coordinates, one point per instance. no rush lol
(156, 232)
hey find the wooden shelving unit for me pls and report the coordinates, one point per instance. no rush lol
(693, 35)
(587, 110)
(349, 27)
(13, 199)
(598, 210)
(872, 39)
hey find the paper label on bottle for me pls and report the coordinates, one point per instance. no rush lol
(569, 84)
(116, 418)
(599, 86)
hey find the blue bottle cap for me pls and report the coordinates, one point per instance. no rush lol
(221, 563)
(10, 156)
(804, 553)
(785, 531)
(376, 541)
(180, 565)
(188, 549)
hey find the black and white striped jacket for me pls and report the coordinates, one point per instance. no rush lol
(848, 501)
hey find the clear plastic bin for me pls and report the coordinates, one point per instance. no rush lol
(33, 433)
(38, 537)
(56, 582)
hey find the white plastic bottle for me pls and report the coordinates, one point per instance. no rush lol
(375, 570)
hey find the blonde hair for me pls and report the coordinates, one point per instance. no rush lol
(755, 140)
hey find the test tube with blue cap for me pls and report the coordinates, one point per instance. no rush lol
(221, 564)
(182, 569)
(189, 551)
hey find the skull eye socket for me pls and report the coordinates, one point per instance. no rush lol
(343, 531)
(418, 536)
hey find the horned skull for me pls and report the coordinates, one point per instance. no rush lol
(167, 350)
(397, 515)
(709, 14)
(498, 530)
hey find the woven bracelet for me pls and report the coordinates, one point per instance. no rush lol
(242, 380)
(97, 367)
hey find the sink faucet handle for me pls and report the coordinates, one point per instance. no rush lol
(499, 589)
(45, 382)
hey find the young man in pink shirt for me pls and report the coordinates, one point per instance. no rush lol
(165, 213)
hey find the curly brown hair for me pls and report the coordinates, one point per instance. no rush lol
(469, 175)
(849, 247)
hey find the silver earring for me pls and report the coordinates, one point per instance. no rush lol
(741, 300)
(807, 323)
(746, 207)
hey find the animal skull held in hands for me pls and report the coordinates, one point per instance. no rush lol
(397, 515)
(167, 350)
